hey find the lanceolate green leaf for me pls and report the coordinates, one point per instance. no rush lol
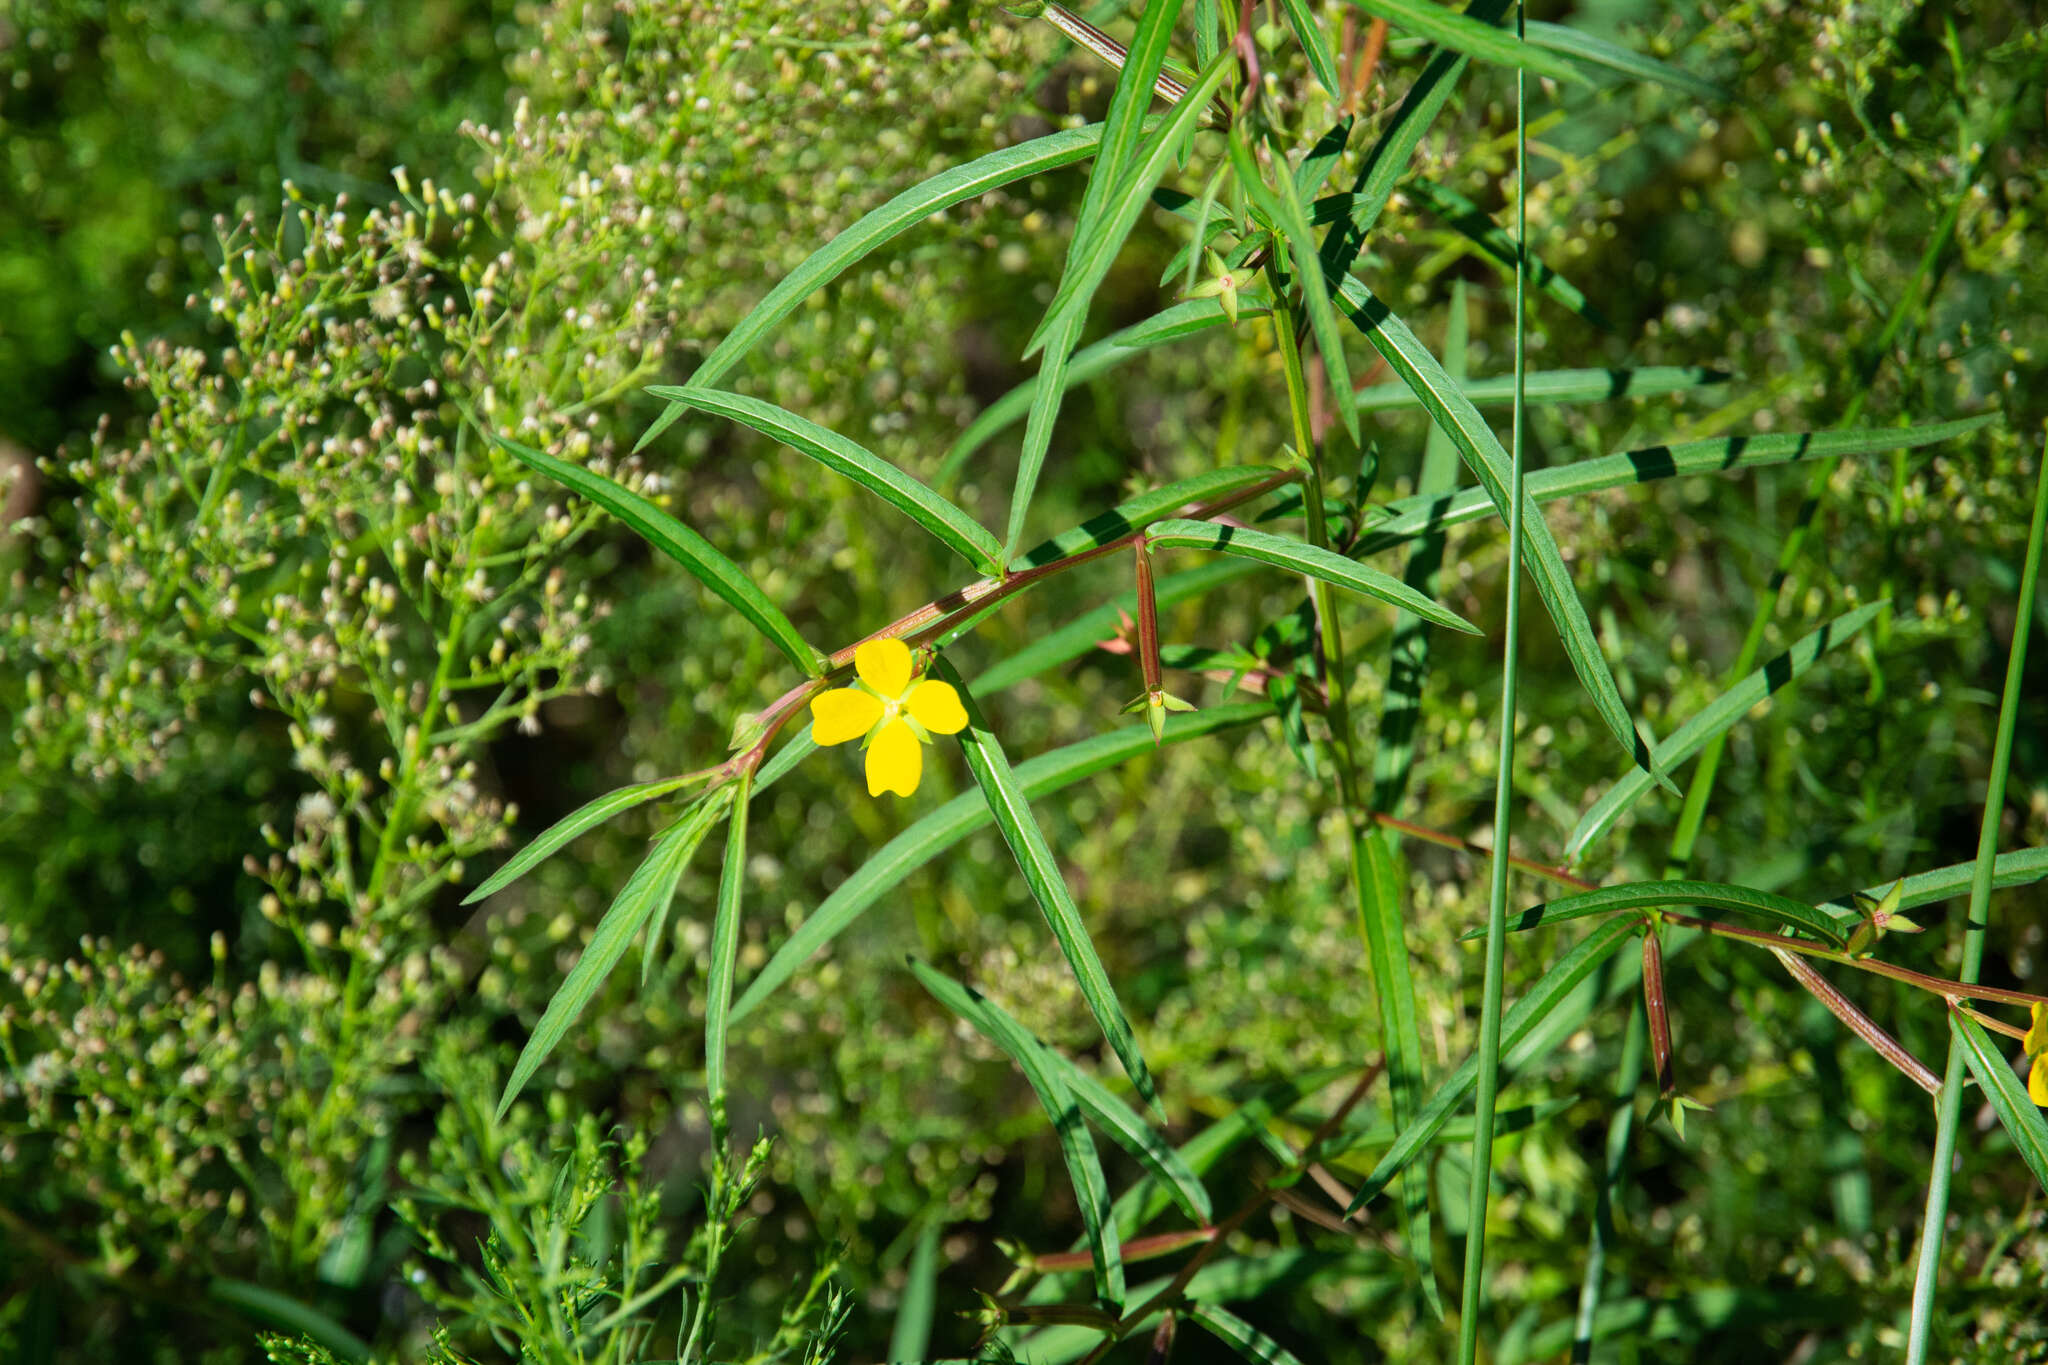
(1547, 387)
(568, 827)
(1417, 515)
(681, 544)
(1743, 900)
(1011, 809)
(2009, 1099)
(1301, 557)
(2021, 867)
(1248, 1341)
(1130, 1132)
(1462, 33)
(1718, 716)
(1145, 509)
(1483, 454)
(1554, 986)
(1090, 257)
(915, 1310)
(906, 210)
(848, 459)
(725, 951)
(1046, 398)
(1084, 1167)
(650, 887)
(1315, 44)
(1584, 47)
(960, 817)
(1173, 324)
(1473, 223)
(1283, 206)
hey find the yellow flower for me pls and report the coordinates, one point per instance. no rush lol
(2036, 1046)
(896, 712)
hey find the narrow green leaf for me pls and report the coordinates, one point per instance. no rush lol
(1283, 206)
(1532, 1009)
(1173, 324)
(1483, 454)
(1301, 557)
(1462, 33)
(1457, 1130)
(913, 206)
(1130, 1131)
(1743, 900)
(684, 546)
(1408, 651)
(1477, 227)
(2009, 1099)
(794, 751)
(1248, 1341)
(1084, 1167)
(1585, 47)
(912, 1334)
(1089, 258)
(1414, 516)
(1387, 161)
(652, 884)
(283, 1311)
(1011, 809)
(725, 952)
(1322, 158)
(1314, 42)
(1145, 509)
(945, 827)
(2021, 867)
(695, 824)
(1122, 141)
(1717, 717)
(584, 817)
(1548, 387)
(848, 459)
(1381, 876)
(1046, 397)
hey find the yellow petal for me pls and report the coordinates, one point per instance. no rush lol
(2037, 1082)
(883, 665)
(895, 761)
(2036, 1041)
(842, 714)
(936, 706)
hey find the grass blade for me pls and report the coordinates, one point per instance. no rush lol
(1414, 516)
(1472, 37)
(2009, 1099)
(1173, 324)
(1717, 717)
(1301, 557)
(1145, 509)
(1595, 51)
(945, 827)
(1314, 43)
(848, 459)
(1011, 810)
(912, 1334)
(725, 952)
(1949, 1109)
(1743, 900)
(1489, 463)
(1521, 1021)
(584, 817)
(875, 228)
(650, 887)
(1084, 1167)
(1247, 1340)
(684, 546)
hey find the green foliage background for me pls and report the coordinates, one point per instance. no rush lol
(257, 750)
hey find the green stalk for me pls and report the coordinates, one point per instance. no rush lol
(1488, 1084)
(1951, 1103)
